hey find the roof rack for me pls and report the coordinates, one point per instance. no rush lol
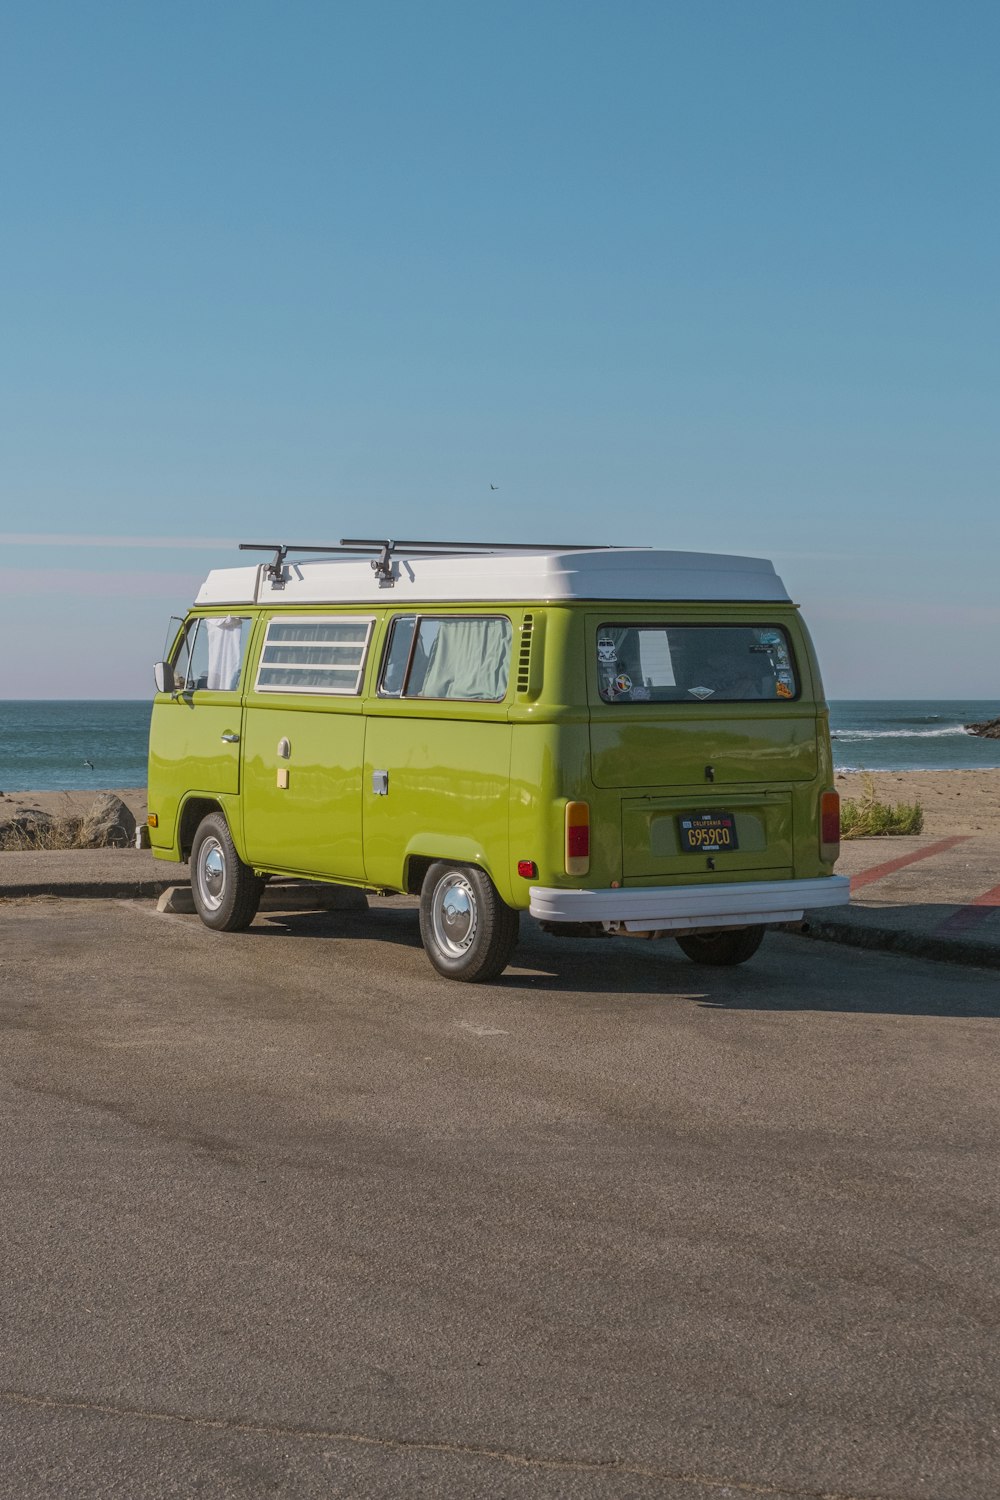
(387, 548)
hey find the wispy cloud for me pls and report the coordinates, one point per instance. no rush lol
(91, 583)
(137, 543)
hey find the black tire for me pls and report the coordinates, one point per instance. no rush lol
(226, 891)
(468, 933)
(722, 950)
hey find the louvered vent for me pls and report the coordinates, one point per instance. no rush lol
(524, 655)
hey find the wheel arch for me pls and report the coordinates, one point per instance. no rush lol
(424, 851)
(195, 808)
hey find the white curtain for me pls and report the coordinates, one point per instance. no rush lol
(225, 654)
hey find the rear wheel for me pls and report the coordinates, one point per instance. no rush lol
(467, 931)
(226, 891)
(722, 949)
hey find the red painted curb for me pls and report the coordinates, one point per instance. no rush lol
(879, 872)
(971, 915)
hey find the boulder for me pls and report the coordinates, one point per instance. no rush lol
(988, 731)
(108, 824)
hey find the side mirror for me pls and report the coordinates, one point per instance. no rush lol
(163, 676)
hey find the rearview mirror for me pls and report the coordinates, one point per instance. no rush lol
(163, 676)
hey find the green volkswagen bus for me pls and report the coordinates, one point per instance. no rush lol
(619, 741)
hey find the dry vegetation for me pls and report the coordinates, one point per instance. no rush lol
(866, 817)
(33, 828)
(26, 835)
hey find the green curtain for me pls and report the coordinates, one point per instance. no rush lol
(469, 659)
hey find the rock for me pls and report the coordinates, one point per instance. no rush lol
(988, 731)
(108, 823)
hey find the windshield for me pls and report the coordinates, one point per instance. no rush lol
(694, 663)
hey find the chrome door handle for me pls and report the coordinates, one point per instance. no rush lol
(231, 739)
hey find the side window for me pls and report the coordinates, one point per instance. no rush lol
(464, 658)
(310, 655)
(396, 657)
(210, 654)
(185, 660)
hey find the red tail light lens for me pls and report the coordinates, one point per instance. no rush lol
(829, 825)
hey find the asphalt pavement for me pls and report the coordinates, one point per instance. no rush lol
(282, 1213)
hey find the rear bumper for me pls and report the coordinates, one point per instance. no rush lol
(676, 908)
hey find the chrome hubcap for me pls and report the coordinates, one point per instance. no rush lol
(455, 914)
(212, 873)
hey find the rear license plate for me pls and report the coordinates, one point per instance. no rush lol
(708, 833)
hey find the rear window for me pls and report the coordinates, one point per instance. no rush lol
(694, 663)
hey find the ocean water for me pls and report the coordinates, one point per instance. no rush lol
(46, 746)
(917, 735)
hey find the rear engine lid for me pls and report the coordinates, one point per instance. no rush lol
(666, 746)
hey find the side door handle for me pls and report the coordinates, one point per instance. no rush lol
(231, 739)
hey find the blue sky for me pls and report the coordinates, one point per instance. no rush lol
(720, 276)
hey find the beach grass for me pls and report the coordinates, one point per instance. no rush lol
(866, 817)
(65, 833)
(60, 824)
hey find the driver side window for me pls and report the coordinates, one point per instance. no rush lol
(191, 660)
(210, 654)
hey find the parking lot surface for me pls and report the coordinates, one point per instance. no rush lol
(284, 1214)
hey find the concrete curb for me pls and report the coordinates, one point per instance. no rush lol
(112, 890)
(175, 896)
(895, 940)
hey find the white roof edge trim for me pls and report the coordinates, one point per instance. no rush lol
(545, 577)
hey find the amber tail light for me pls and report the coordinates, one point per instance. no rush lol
(577, 838)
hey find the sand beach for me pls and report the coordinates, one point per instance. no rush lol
(966, 802)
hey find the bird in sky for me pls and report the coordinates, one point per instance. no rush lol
(494, 486)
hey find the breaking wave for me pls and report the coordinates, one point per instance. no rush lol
(899, 734)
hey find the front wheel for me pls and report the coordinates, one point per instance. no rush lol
(226, 891)
(722, 949)
(468, 933)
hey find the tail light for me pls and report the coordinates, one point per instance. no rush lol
(829, 826)
(577, 838)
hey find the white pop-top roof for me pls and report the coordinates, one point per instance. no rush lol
(612, 573)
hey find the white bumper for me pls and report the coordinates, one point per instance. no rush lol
(674, 908)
